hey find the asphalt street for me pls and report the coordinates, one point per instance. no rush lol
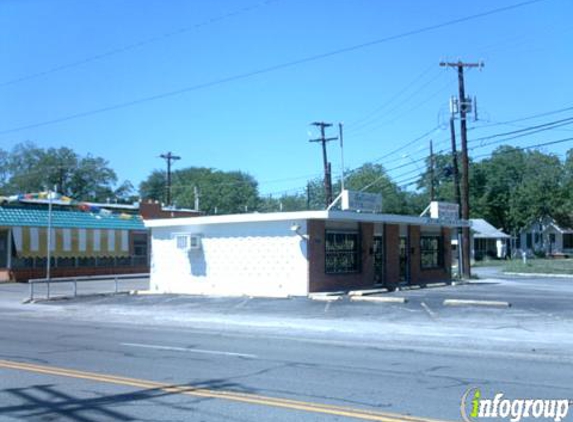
(169, 358)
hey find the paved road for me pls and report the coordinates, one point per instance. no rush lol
(300, 358)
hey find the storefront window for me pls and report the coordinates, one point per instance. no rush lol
(342, 254)
(432, 252)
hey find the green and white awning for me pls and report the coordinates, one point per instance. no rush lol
(70, 242)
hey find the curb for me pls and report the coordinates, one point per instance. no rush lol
(354, 293)
(378, 299)
(464, 302)
(541, 275)
(436, 285)
(324, 298)
(406, 288)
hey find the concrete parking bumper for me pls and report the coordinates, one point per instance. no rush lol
(379, 299)
(470, 302)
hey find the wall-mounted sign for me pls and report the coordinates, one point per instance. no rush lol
(361, 201)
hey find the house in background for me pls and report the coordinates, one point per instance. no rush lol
(547, 236)
(487, 241)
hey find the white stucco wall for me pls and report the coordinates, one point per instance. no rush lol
(257, 258)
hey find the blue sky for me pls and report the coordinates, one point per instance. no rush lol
(64, 58)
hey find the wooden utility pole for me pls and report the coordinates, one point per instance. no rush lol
(327, 174)
(464, 105)
(455, 168)
(169, 157)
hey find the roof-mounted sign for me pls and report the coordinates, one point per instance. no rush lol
(360, 201)
(444, 211)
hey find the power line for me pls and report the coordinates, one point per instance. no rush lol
(408, 111)
(273, 68)
(363, 121)
(137, 44)
(533, 129)
(406, 145)
(544, 144)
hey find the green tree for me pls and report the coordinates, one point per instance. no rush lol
(219, 192)
(372, 178)
(28, 168)
(515, 187)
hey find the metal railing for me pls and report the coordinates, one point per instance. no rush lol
(82, 279)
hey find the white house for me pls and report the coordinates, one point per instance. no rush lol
(296, 253)
(487, 241)
(547, 236)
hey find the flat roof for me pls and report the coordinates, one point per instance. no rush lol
(303, 215)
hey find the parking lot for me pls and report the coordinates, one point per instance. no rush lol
(381, 349)
(540, 316)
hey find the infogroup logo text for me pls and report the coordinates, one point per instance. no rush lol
(474, 408)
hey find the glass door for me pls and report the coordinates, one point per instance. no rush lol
(379, 275)
(404, 260)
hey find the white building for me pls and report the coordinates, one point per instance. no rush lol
(487, 241)
(547, 236)
(296, 253)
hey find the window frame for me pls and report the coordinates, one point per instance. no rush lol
(337, 253)
(437, 252)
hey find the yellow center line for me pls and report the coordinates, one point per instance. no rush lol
(223, 395)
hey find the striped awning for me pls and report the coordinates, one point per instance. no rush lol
(32, 242)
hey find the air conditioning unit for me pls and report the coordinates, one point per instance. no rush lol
(187, 242)
(194, 242)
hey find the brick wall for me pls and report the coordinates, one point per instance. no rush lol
(151, 210)
(392, 251)
(416, 274)
(440, 274)
(320, 281)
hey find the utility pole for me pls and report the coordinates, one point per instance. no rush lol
(341, 155)
(169, 157)
(464, 104)
(196, 196)
(455, 171)
(327, 175)
(432, 191)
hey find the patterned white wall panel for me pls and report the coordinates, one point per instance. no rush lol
(258, 259)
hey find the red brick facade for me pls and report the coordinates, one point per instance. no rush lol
(152, 210)
(319, 280)
(392, 254)
(365, 278)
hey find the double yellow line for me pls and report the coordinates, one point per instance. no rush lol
(216, 394)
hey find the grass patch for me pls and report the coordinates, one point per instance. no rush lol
(540, 266)
(489, 263)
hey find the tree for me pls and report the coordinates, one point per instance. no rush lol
(219, 192)
(539, 193)
(294, 202)
(28, 168)
(372, 178)
(514, 187)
